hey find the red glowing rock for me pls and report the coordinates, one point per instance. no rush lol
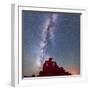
(50, 68)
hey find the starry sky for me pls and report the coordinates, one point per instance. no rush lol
(65, 48)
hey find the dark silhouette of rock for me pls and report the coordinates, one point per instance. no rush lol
(33, 75)
(50, 68)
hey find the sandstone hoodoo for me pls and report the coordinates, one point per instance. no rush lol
(50, 68)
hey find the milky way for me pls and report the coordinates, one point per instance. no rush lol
(47, 33)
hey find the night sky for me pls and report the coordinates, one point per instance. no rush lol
(64, 47)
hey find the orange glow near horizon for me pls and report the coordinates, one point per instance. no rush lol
(74, 70)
